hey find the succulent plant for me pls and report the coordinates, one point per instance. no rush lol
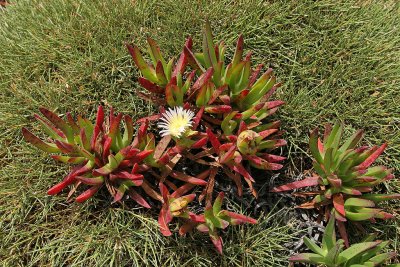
(230, 103)
(232, 153)
(344, 177)
(226, 93)
(103, 155)
(333, 252)
(213, 219)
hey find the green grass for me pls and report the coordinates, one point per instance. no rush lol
(336, 59)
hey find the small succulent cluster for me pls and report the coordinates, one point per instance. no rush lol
(333, 252)
(344, 178)
(215, 116)
(101, 153)
(230, 101)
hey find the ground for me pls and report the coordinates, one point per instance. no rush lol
(337, 60)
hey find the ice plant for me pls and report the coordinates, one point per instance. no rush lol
(214, 218)
(175, 122)
(333, 254)
(103, 155)
(226, 93)
(344, 177)
(211, 114)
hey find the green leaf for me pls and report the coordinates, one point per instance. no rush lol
(228, 125)
(355, 250)
(308, 257)
(237, 57)
(34, 140)
(332, 136)
(155, 53)
(381, 197)
(313, 144)
(358, 202)
(234, 76)
(338, 136)
(311, 245)
(329, 238)
(218, 203)
(378, 259)
(352, 141)
(59, 123)
(256, 94)
(49, 129)
(331, 257)
(148, 72)
(328, 159)
(210, 57)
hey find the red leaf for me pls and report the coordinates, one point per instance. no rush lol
(268, 132)
(217, 93)
(372, 157)
(200, 143)
(57, 188)
(254, 75)
(187, 187)
(139, 157)
(263, 164)
(187, 178)
(214, 140)
(228, 155)
(93, 140)
(201, 81)
(151, 87)
(240, 169)
(311, 181)
(37, 142)
(100, 117)
(87, 194)
(106, 147)
(343, 232)
(320, 146)
(197, 218)
(217, 241)
(148, 118)
(338, 203)
(150, 191)
(240, 218)
(138, 198)
(164, 193)
(55, 119)
(59, 133)
(114, 125)
(163, 222)
(272, 158)
(183, 59)
(197, 118)
(273, 104)
(161, 146)
(90, 180)
(220, 109)
(335, 181)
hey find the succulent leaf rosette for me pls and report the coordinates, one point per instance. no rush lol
(103, 155)
(333, 253)
(344, 178)
(231, 104)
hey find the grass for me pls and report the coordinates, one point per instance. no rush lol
(336, 59)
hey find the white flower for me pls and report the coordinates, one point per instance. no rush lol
(175, 121)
